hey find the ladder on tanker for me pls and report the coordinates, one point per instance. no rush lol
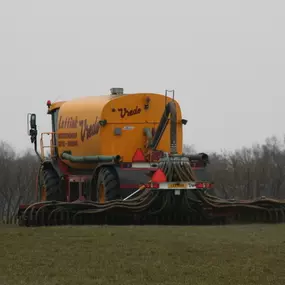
(166, 93)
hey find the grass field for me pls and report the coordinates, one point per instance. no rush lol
(239, 255)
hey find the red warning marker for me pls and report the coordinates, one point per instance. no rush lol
(159, 176)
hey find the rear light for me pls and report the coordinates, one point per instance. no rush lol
(200, 185)
(159, 176)
(206, 185)
(152, 185)
(138, 156)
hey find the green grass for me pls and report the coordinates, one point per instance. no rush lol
(239, 255)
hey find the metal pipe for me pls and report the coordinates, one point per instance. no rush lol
(170, 109)
(200, 156)
(148, 134)
(131, 195)
(94, 159)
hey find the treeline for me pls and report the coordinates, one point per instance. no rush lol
(18, 175)
(250, 173)
(246, 173)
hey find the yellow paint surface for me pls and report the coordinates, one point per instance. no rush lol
(78, 118)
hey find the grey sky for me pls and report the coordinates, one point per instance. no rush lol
(225, 60)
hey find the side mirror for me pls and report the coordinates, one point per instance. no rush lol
(33, 121)
(32, 130)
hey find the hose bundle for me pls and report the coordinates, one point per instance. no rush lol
(157, 205)
(176, 168)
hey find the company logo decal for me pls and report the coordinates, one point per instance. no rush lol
(129, 112)
(87, 131)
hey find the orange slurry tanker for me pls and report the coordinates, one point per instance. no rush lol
(117, 159)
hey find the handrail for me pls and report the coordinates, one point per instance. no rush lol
(51, 146)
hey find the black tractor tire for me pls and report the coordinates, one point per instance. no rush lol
(108, 178)
(52, 183)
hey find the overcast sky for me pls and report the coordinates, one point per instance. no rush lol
(225, 60)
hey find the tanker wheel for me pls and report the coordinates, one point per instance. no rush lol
(107, 186)
(52, 185)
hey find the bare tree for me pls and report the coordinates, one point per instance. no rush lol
(17, 180)
(251, 172)
(188, 149)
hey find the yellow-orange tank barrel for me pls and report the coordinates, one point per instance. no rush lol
(111, 125)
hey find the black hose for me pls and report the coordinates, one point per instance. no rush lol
(170, 109)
